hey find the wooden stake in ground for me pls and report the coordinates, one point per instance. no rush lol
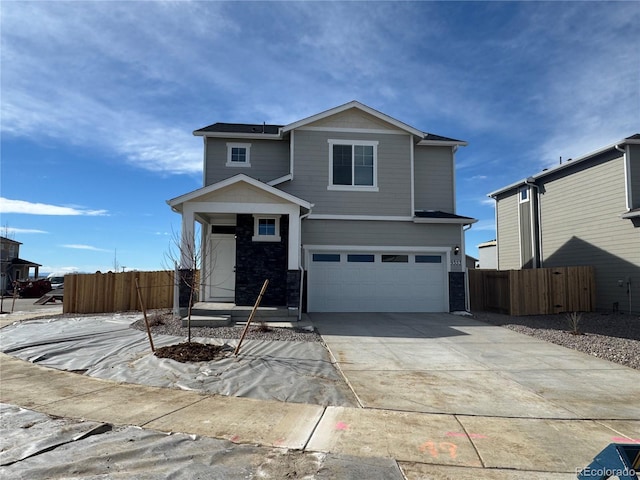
(253, 312)
(144, 312)
(15, 295)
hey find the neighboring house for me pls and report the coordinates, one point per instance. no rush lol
(346, 210)
(12, 266)
(583, 212)
(472, 262)
(487, 252)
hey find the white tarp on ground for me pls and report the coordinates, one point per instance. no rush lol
(106, 347)
(35, 446)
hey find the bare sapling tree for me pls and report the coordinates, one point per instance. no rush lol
(190, 257)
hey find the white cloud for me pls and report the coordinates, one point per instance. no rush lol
(489, 202)
(484, 225)
(15, 230)
(28, 208)
(85, 247)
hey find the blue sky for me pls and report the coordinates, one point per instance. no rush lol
(99, 100)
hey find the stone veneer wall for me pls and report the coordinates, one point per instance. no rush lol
(257, 261)
(457, 295)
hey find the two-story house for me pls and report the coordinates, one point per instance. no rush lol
(347, 210)
(12, 266)
(585, 211)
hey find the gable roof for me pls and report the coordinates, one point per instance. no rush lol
(277, 132)
(176, 203)
(632, 140)
(357, 105)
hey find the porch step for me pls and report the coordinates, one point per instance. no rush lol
(208, 321)
(241, 313)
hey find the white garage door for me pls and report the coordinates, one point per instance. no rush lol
(377, 282)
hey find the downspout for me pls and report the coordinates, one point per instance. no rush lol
(627, 176)
(467, 301)
(302, 217)
(538, 231)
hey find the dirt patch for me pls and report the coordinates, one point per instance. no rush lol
(193, 352)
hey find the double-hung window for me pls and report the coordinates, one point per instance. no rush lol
(238, 154)
(353, 165)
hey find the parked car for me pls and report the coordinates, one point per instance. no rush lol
(57, 281)
(33, 288)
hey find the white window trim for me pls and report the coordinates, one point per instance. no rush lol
(354, 188)
(265, 238)
(247, 162)
(520, 190)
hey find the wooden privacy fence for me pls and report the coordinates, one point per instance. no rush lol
(116, 292)
(538, 291)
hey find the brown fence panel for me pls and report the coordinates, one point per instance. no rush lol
(533, 291)
(116, 292)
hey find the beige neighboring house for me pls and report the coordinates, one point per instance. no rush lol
(12, 266)
(583, 212)
(487, 252)
(346, 210)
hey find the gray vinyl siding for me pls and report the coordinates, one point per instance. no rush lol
(581, 225)
(311, 175)
(269, 160)
(508, 232)
(634, 175)
(433, 174)
(380, 233)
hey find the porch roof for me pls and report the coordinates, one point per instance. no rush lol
(177, 203)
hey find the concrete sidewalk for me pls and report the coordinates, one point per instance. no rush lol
(433, 445)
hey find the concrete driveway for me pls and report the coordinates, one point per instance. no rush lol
(443, 363)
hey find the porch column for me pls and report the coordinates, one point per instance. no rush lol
(294, 239)
(187, 240)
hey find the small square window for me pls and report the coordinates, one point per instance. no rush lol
(524, 194)
(266, 228)
(238, 154)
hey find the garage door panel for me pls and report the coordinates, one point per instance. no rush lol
(391, 286)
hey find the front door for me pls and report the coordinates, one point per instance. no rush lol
(221, 271)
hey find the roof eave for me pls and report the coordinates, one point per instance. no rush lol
(454, 221)
(444, 143)
(248, 136)
(544, 173)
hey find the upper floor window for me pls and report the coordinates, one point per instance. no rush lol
(524, 194)
(238, 154)
(353, 165)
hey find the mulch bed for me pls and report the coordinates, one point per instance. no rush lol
(193, 352)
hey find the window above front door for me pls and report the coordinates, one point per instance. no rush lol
(238, 154)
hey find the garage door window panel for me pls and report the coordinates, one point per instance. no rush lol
(428, 259)
(326, 257)
(360, 258)
(395, 258)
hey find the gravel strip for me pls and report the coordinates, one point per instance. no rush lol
(166, 324)
(614, 337)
